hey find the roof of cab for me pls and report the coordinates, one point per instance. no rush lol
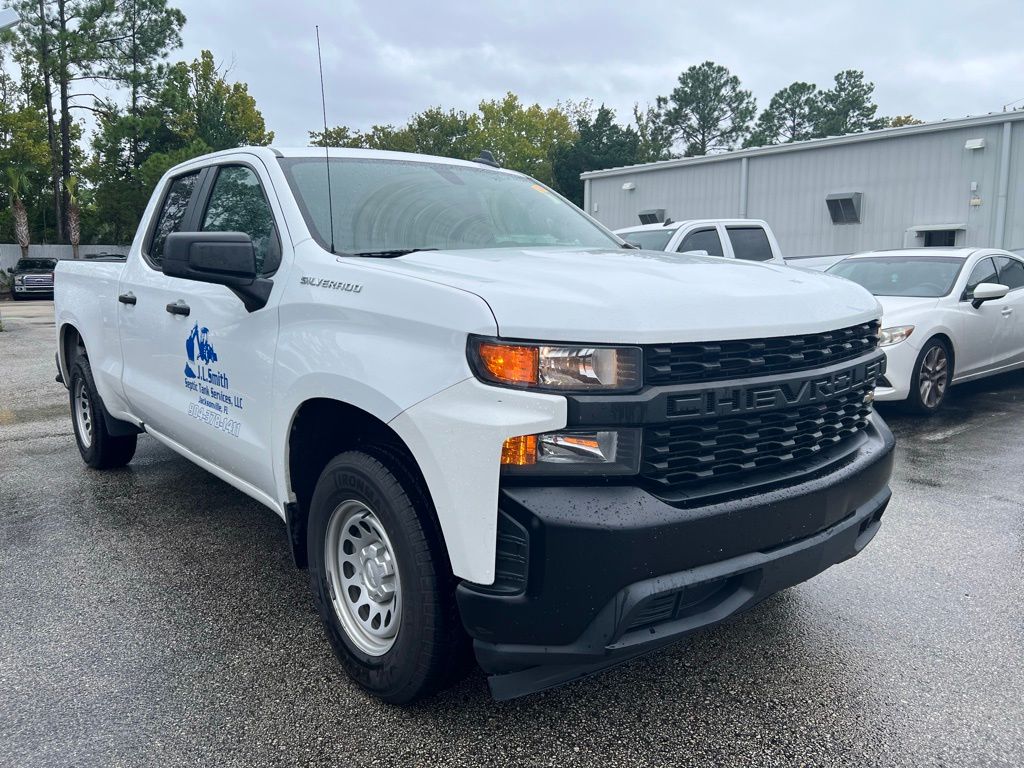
(677, 224)
(951, 253)
(271, 153)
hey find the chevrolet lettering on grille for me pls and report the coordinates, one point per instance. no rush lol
(727, 401)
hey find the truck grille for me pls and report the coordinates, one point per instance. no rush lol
(39, 281)
(675, 455)
(718, 361)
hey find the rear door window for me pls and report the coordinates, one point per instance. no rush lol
(703, 240)
(750, 243)
(1011, 272)
(172, 213)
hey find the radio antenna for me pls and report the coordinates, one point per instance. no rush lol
(327, 151)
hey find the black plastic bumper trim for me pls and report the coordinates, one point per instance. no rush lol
(756, 576)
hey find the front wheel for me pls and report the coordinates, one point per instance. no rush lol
(933, 371)
(380, 578)
(99, 449)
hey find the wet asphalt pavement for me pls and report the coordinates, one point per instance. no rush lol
(151, 616)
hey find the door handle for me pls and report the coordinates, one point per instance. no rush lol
(1007, 311)
(179, 307)
(127, 298)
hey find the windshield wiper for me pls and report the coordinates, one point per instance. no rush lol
(392, 254)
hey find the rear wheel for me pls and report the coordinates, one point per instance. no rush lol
(381, 580)
(99, 449)
(933, 372)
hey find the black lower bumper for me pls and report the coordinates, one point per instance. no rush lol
(613, 572)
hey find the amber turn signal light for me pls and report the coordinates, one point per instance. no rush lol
(509, 363)
(519, 451)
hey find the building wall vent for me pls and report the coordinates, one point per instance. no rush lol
(844, 207)
(653, 216)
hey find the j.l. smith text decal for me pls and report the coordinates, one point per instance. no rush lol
(214, 403)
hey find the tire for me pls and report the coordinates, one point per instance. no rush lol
(933, 372)
(368, 515)
(99, 449)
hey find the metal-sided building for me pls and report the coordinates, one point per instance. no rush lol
(954, 182)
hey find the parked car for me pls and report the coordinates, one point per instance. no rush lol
(949, 315)
(746, 239)
(479, 413)
(33, 279)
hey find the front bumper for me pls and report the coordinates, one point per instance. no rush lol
(32, 290)
(612, 572)
(899, 371)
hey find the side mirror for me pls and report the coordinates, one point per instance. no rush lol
(987, 291)
(221, 258)
(695, 253)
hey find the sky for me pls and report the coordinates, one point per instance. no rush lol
(384, 61)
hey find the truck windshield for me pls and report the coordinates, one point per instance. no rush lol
(389, 207)
(649, 239)
(921, 276)
(27, 264)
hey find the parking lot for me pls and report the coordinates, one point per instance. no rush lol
(152, 616)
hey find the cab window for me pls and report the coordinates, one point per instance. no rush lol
(237, 204)
(984, 272)
(1011, 272)
(703, 240)
(750, 243)
(172, 213)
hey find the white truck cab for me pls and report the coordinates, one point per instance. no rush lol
(746, 239)
(481, 415)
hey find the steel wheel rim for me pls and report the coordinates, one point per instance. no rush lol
(933, 376)
(363, 578)
(83, 413)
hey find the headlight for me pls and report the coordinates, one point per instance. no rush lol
(573, 452)
(556, 368)
(889, 336)
(19, 279)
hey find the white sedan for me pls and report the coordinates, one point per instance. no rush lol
(949, 315)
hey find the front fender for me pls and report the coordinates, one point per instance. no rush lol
(456, 438)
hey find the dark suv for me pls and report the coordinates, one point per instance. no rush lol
(33, 278)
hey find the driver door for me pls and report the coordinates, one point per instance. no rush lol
(986, 331)
(198, 365)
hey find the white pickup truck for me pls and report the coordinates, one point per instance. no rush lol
(479, 413)
(744, 239)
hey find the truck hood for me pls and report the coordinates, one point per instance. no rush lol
(630, 296)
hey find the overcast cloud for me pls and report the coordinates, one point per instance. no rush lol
(384, 61)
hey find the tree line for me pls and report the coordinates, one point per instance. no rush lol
(708, 111)
(112, 59)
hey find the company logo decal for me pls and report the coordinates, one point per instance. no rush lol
(214, 403)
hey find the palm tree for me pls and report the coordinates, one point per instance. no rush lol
(74, 215)
(17, 182)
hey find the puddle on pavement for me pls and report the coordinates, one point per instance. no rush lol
(28, 415)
